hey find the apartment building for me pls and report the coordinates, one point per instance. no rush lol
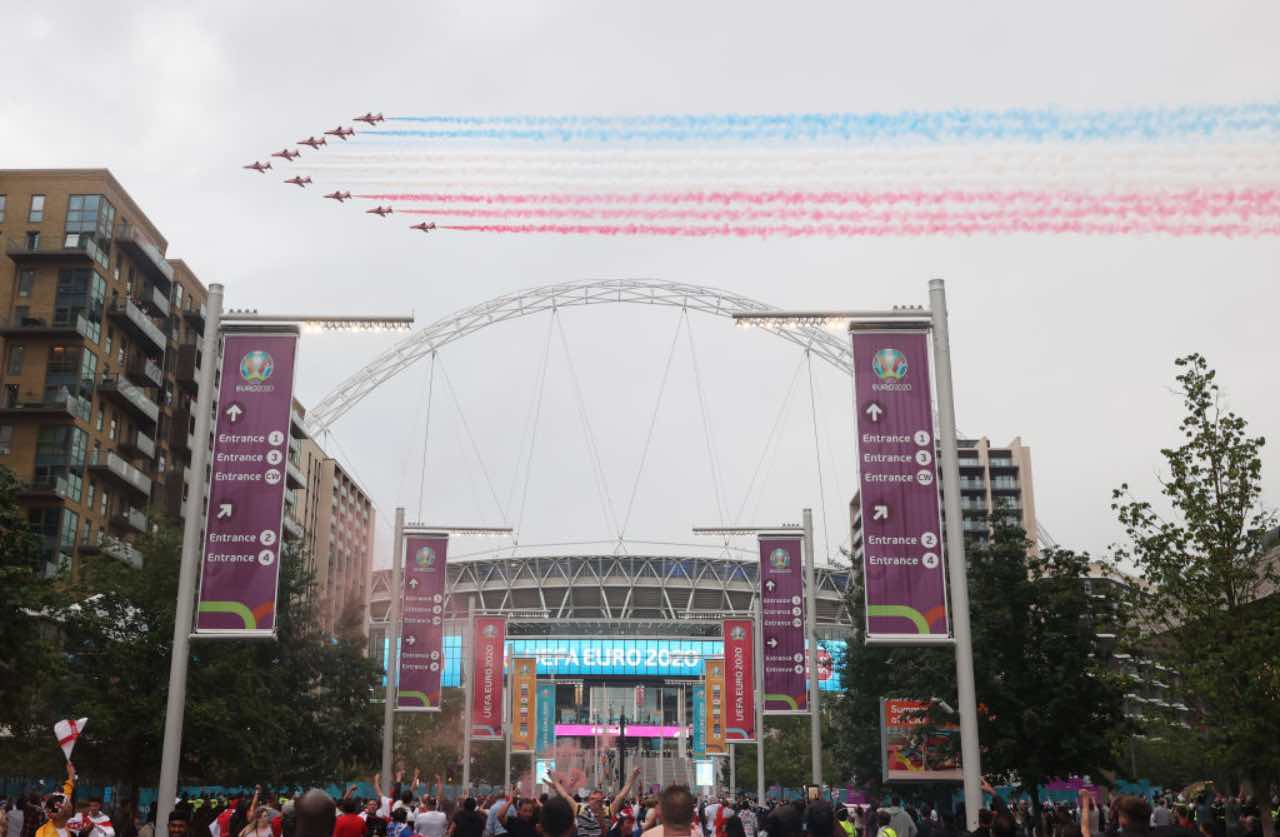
(95, 323)
(328, 511)
(992, 479)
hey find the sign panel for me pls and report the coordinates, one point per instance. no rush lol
(704, 773)
(240, 561)
(422, 637)
(698, 697)
(545, 709)
(524, 699)
(490, 634)
(740, 691)
(906, 593)
(782, 606)
(715, 708)
(913, 749)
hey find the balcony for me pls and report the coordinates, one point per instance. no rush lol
(138, 443)
(108, 463)
(171, 497)
(293, 530)
(147, 255)
(130, 396)
(124, 552)
(297, 425)
(1003, 464)
(41, 327)
(47, 488)
(135, 321)
(195, 317)
(155, 300)
(294, 475)
(52, 250)
(63, 406)
(180, 433)
(146, 371)
(189, 367)
(130, 519)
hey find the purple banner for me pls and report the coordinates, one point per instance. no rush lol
(782, 606)
(906, 594)
(240, 562)
(422, 624)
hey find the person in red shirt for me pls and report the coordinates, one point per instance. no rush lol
(350, 823)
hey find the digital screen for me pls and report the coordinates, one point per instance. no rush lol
(626, 657)
(705, 773)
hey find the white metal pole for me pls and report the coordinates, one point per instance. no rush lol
(395, 627)
(468, 637)
(193, 523)
(508, 724)
(957, 568)
(811, 630)
(662, 748)
(733, 771)
(759, 677)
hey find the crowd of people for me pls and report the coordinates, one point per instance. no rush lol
(414, 809)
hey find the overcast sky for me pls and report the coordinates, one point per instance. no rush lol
(1067, 342)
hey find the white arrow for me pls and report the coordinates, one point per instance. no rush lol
(233, 413)
(881, 513)
(410, 640)
(874, 410)
(224, 510)
(770, 584)
(773, 643)
(413, 582)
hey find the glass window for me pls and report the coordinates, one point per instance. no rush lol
(36, 215)
(33, 241)
(26, 281)
(16, 354)
(2, 205)
(6, 439)
(70, 522)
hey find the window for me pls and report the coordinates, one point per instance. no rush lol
(15, 359)
(26, 280)
(36, 214)
(2, 204)
(111, 434)
(33, 241)
(90, 217)
(91, 496)
(70, 522)
(80, 291)
(60, 455)
(6, 439)
(110, 336)
(100, 419)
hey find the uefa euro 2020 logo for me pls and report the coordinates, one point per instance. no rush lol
(889, 365)
(425, 559)
(780, 559)
(490, 631)
(256, 366)
(738, 633)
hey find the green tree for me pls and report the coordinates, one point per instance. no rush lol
(1206, 568)
(788, 760)
(1047, 706)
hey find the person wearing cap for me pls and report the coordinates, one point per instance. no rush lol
(58, 808)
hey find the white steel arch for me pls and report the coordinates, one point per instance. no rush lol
(833, 348)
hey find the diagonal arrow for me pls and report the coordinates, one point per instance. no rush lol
(881, 513)
(224, 510)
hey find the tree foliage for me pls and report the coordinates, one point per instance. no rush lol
(1207, 572)
(1047, 705)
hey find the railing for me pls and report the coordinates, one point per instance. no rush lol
(133, 394)
(137, 318)
(144, 367)
(80, 325)
(157, 299)
(48, 247)
(133, 237)
(46, 485)
(142, 443)
(64, 402)
(1002, 463)
(131, 517)
(114, 464)
(125, 552)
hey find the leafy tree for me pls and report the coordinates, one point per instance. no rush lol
(787, 757)
(432, 742)
(1047, 706)
(1206, 567)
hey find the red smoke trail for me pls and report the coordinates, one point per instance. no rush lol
(881, 230)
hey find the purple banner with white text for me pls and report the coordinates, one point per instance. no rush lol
(782, 608)
(422, 631)
(903, 566)
(240, 561)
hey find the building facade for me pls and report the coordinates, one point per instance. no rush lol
(98, 335)
(329, 513)
(992, 479)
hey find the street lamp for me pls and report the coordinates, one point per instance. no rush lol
(935, 319)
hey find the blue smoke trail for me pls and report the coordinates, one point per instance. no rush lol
(1213, 122)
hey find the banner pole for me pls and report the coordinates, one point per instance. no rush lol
(970, 755)
(394, 629)
(759, 677)
(811, 628)
(733, 770)
(468, 649)
(508, 722)
(192, 543)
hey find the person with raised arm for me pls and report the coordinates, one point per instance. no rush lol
(587, 815)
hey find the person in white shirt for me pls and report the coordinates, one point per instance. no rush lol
(431, 821)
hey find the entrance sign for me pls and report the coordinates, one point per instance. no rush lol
(912, 749)
(524, 698)
(715, 708)
(545, 709)
(422, 637)
(782, 608)
(240, 562)
(698, 697)
(490, 634)
(903, 567)
(740, 692)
